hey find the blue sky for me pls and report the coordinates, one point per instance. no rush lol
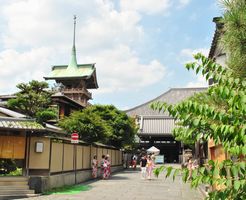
(139, 46)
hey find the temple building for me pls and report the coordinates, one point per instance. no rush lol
(73, 80)
(155, 128)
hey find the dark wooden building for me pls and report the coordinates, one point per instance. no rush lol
(155, 129)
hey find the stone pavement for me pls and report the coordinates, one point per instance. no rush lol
(128, 185)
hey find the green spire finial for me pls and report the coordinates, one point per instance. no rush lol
(73, 60)
(74, 26)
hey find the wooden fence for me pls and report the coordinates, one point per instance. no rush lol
(69, 157)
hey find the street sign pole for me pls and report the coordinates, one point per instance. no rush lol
(75, 140)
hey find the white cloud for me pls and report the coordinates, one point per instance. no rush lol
(186, 55)
(145, 6)
(110, 29)
(120, 70)
(183, 3)
(22, 67)
(38, 34)
(199, 82)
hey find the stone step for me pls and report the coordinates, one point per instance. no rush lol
(16, 192)
(15, 179)
(14, 187)
(14, 196)
(9, 183)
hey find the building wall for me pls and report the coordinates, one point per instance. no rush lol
(86, 157)
(68, 162)
(39, 160)
(62, 156)
(79, 154)
(57, 157)
(62, 161)
(216, 152)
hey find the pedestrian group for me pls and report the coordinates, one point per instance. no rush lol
(146, 163)
(104, 165)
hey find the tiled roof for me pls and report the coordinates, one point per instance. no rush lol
(155, 125)
(217, 34)
(11, 113)
(172, 96)
(62, 71)
(17, 123)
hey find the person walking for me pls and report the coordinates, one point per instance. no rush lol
(103, 166)
(150, 167)
(190, 167)
(143, 163)
(134, 163)
(109, 164)
(94, 164)
(107, 169)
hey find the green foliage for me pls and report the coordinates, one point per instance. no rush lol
(89, 126)
(34, 100)
(102, 123)
(158, 170)
(234, 35)
(219, 114)
(7, 166)
(17, 172)
(46, 114)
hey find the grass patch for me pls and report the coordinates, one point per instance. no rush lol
(73, 189)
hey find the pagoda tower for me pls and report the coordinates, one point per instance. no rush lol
(75, 79)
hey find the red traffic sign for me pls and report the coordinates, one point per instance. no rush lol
(74, 138)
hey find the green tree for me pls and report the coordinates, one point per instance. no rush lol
(102, 123)
(218, 114)
(234, 38)
(34, 100)
(89, 126)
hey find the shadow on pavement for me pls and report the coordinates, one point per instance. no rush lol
(131, 170)
(115, 177)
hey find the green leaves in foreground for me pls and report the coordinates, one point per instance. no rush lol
(218, 114)
(228, 176)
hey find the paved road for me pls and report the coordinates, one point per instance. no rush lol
(128, 185)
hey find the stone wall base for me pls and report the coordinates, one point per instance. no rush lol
(44, 183)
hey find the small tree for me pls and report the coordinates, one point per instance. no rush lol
(89, 126)
(122, 128)
(218, 114)
(34, 100)
(102, 123)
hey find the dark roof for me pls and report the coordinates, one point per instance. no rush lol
(172, 96)
(59, 96)
(155, 125)
(216, 37)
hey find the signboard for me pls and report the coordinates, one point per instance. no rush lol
(159, 159)
(39, 147)
(75, 138)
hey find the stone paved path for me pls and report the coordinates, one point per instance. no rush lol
(127, 185)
